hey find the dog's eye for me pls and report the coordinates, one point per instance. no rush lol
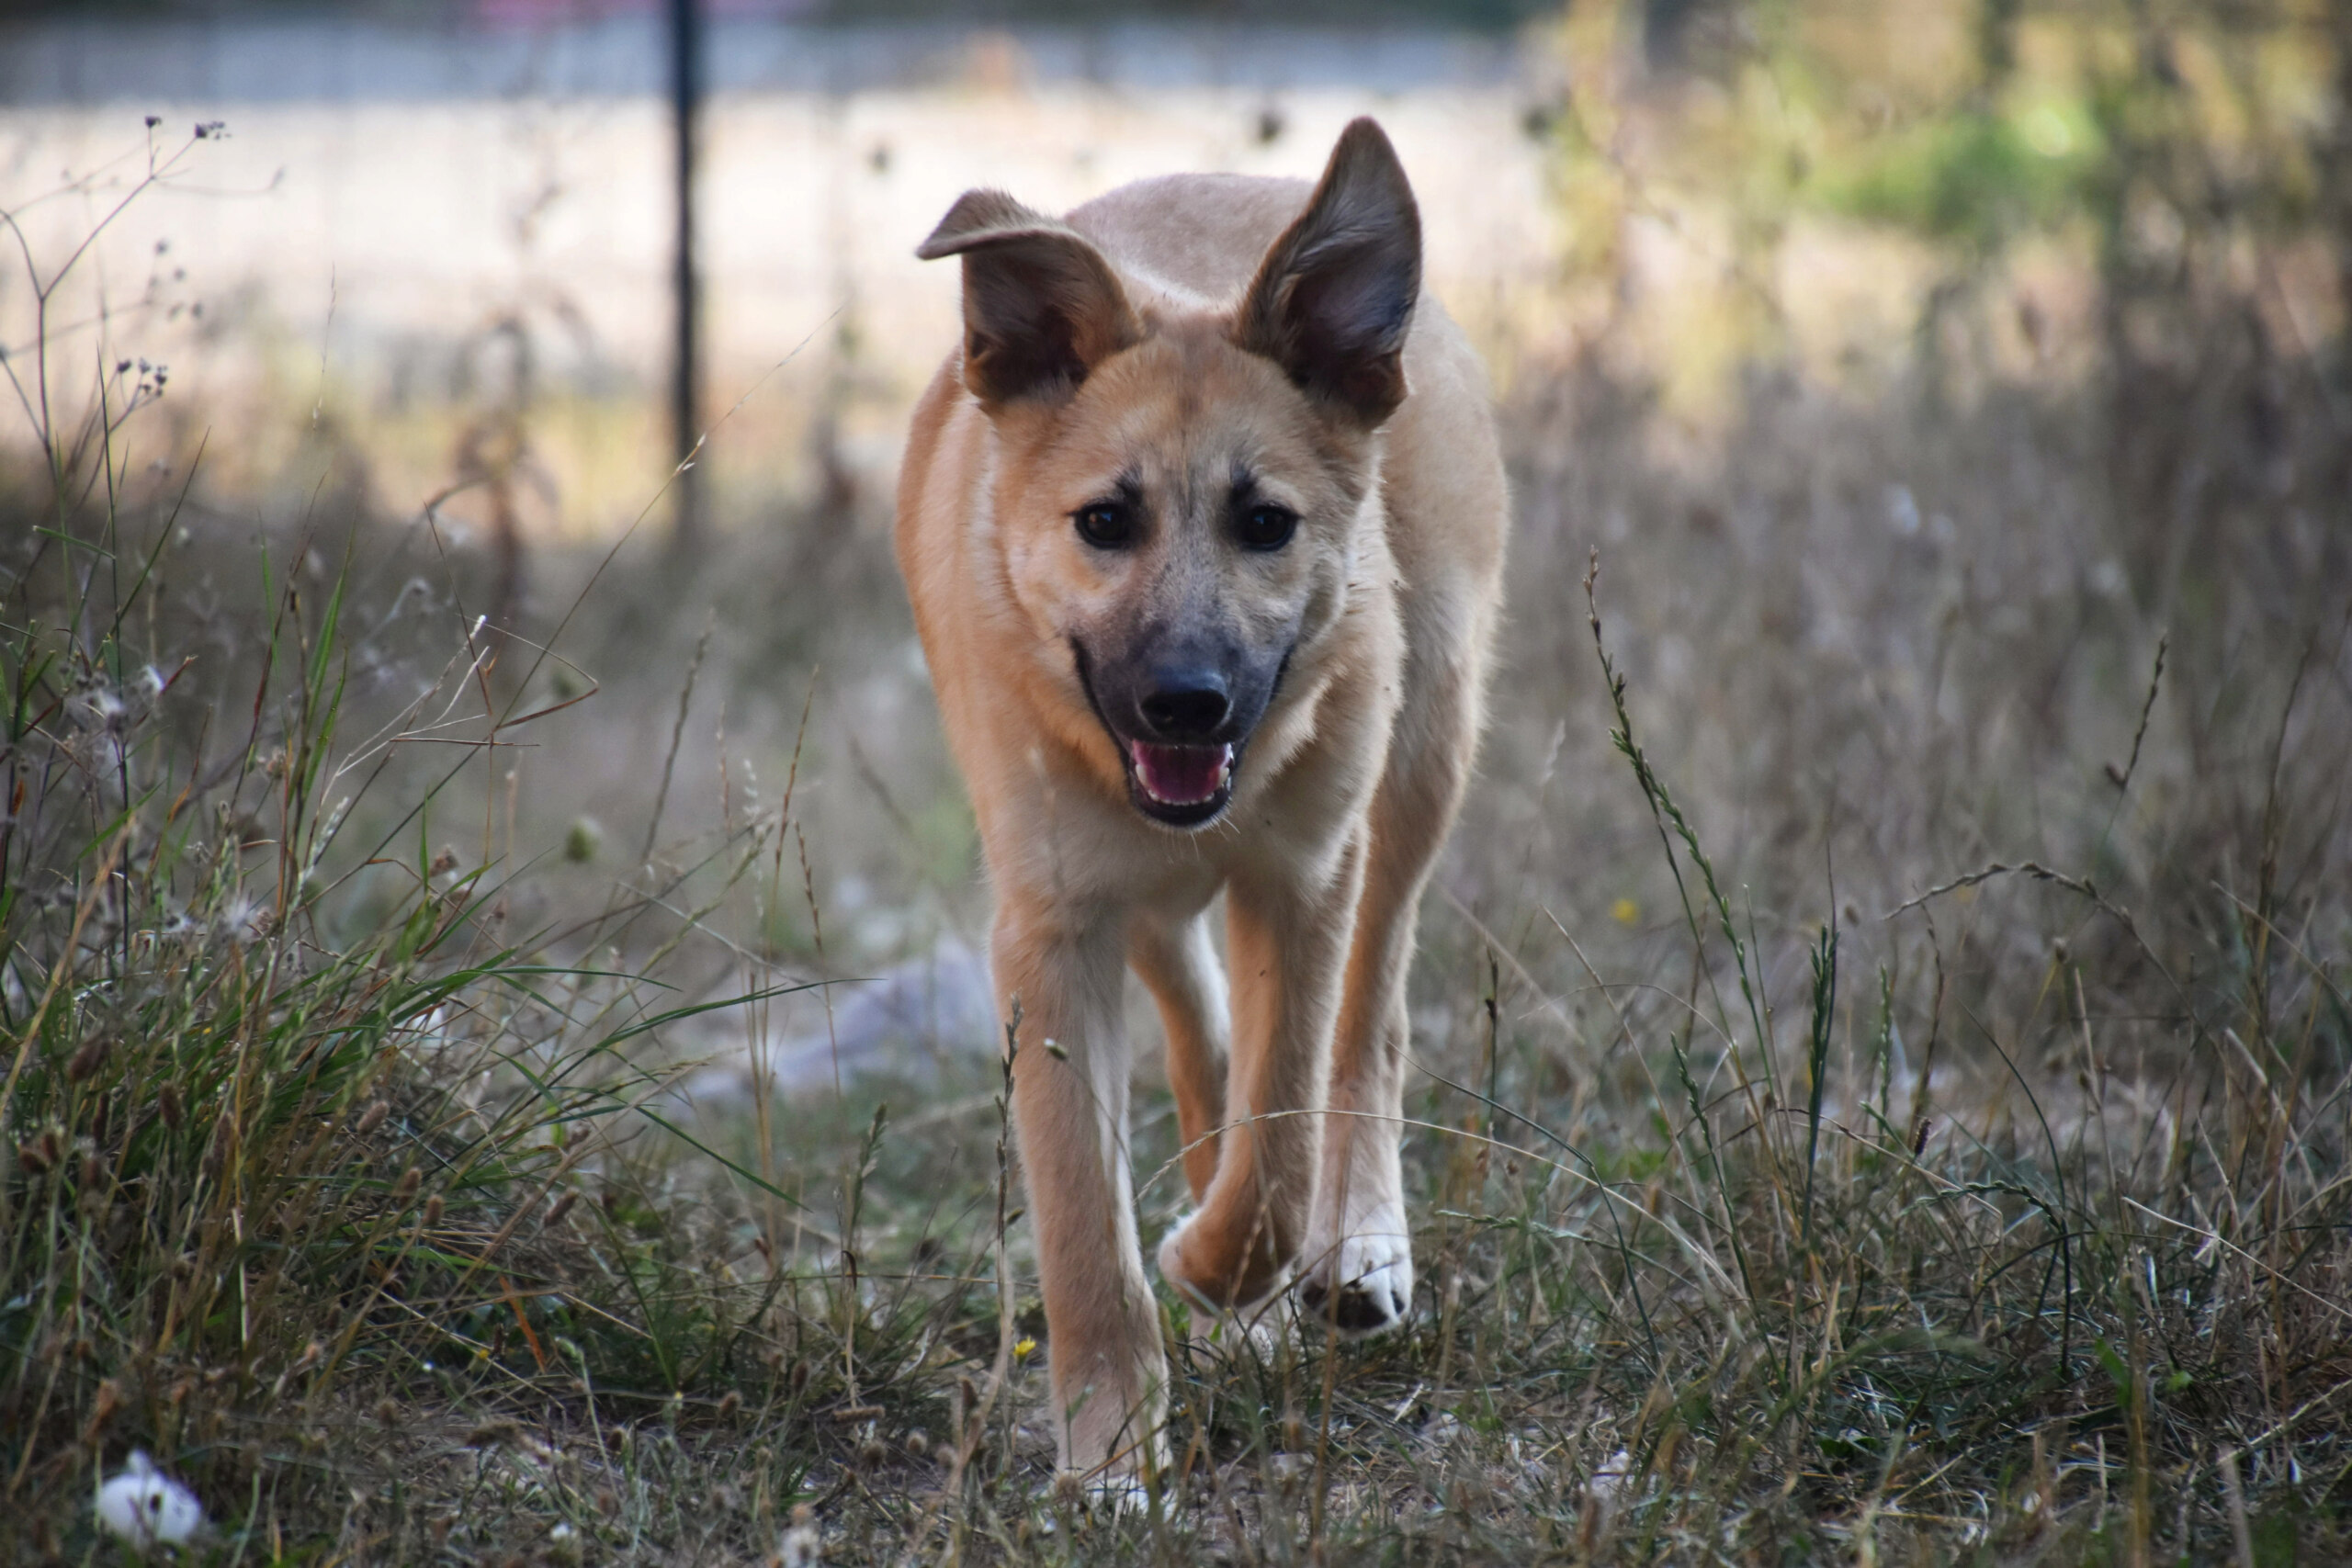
(1104, 525)
(1267, 527)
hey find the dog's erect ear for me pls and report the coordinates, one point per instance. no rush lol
(1336, 292)
(1333, 298)
(1041, 306)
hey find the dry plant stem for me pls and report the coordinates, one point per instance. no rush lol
(816, 935)
(677, 734)
(1663, 811)
(58, 976)
(762, 1090)
(1721, 1196)
(974, 1421)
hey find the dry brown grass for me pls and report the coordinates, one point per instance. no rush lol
(1795, 1184)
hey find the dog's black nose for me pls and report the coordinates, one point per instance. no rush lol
(1188, 705)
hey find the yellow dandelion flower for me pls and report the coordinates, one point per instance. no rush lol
(1625, 913)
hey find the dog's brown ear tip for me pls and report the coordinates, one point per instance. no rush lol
(1364, 152)
(977, 213)
(1365, 132)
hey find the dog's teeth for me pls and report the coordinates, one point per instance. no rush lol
(1195, 777)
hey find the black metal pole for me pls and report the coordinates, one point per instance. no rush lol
(686, 426)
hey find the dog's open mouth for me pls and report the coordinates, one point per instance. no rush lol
(1181, 786)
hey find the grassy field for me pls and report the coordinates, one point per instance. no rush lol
(1884, 1053)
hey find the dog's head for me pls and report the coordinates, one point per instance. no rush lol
(1178, 492)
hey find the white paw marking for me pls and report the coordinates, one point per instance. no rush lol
(1362, 1282)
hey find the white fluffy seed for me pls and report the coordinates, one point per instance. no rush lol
(147, 1507)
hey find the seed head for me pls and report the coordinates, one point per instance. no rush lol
(88, 1059)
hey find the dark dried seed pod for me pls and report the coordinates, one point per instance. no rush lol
(502, 1432)
(174, 1115)
(88, 1059)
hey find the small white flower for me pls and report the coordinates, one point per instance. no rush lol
(801, 1543)
(146, 1507)
(1611, 1482)
(242, 919)
(97, 707)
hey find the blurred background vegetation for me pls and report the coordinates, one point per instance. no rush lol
(1958, 395)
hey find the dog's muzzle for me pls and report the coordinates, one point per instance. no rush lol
(1180, 726)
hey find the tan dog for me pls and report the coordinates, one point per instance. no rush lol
(1204, 529)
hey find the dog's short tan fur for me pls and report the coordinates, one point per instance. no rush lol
(1190, 347)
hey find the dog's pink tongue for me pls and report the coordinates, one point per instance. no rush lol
(1180, 775)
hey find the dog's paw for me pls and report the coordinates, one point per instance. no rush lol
(1114, 1494)
(1362, 1283)
(1207, 1267)
(1172, 1269)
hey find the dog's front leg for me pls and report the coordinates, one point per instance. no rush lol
(1178, 963)
(1286, 931)
(1066, 970)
